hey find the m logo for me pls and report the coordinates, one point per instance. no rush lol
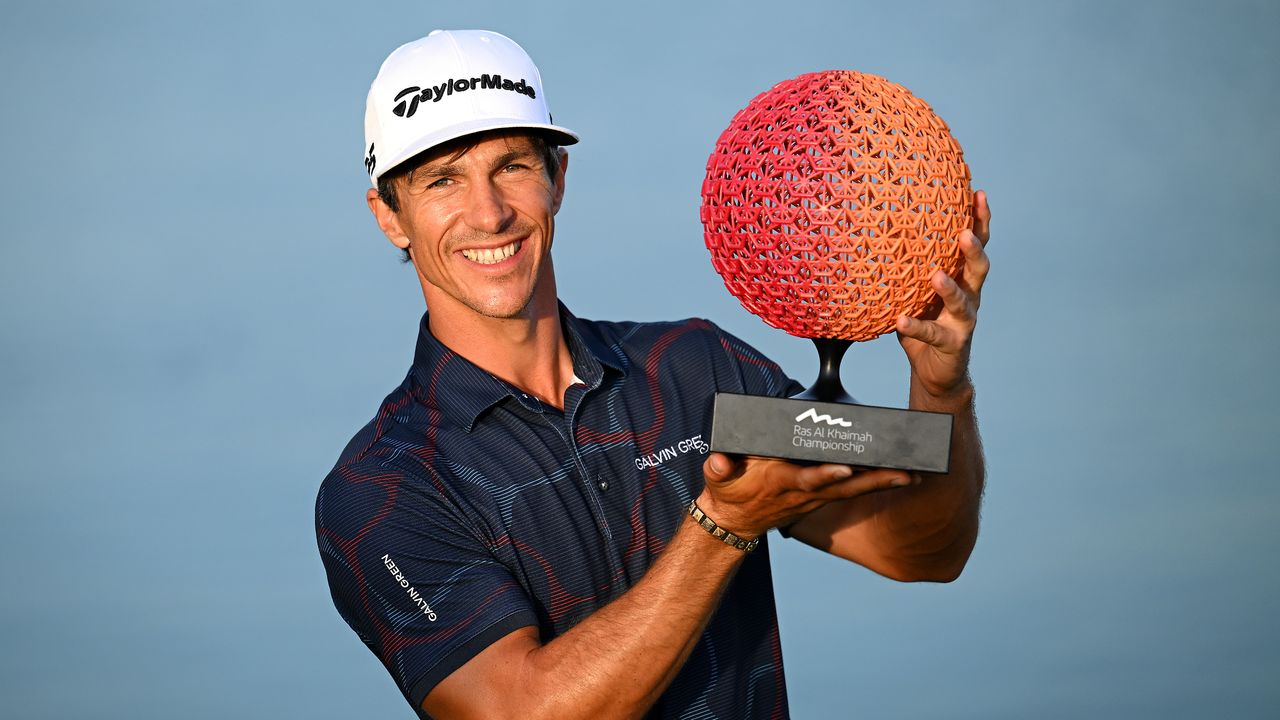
(370, 162)
(812, 414)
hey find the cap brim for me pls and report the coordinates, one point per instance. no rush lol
(558, 135)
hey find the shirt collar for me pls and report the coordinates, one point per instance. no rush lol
(444, 380)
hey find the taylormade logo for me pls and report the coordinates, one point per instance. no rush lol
(812, 414)
(407, 100)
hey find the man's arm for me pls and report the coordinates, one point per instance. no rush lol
(617, 662)
(927, 530)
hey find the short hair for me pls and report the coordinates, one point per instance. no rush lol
(549, 151)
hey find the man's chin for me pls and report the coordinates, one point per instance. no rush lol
(504, 309)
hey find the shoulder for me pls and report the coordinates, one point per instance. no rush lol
(381, 467)
(635, 338)
(692, 346)
(362, 488)
(695, 334)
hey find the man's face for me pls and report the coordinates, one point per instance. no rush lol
(478, 226)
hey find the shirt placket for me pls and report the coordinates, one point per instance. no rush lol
(594, 484)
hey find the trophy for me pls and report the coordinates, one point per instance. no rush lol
(829, 202)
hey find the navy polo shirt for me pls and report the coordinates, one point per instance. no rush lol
(467, 509)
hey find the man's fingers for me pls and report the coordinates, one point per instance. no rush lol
(959, 300)
(834, 482)
(954, 299)
(976, 264)
(926, 331)
(816, 477)
(868, 481)
(981, 216)
(752, 494)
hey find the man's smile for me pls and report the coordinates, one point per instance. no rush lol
(490, 256)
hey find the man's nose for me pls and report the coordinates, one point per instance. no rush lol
(487, 208)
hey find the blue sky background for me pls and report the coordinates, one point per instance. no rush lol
(196, 312)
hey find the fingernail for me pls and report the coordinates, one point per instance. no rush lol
(902, 480)
(842, 472)
(717, 464)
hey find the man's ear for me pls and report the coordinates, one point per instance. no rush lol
(559, 181)
(387, 219)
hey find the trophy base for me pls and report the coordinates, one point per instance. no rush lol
(825, 432)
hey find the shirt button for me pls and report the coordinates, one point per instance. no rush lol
(604, 484)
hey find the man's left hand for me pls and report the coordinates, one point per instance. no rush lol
(937, 343)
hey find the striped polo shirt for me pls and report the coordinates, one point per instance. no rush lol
(467, 509)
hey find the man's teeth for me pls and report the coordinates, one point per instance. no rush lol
(489, 256)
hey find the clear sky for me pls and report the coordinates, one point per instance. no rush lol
(196, 313)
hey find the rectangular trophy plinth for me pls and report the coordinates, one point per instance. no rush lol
(810, 431)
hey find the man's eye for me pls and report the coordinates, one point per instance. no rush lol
(514, 167)
(440, 182)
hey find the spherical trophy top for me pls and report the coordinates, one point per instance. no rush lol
(829, 202)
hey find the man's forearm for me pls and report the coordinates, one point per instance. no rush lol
(937, 519)
(617, 662)
(922, 531)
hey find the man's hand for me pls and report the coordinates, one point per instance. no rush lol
(752, 495)
(925, 532)
(937, 344)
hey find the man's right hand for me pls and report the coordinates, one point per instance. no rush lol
(749, 496)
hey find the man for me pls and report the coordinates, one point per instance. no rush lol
(512, 534)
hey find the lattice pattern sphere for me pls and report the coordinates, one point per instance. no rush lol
(829, 202)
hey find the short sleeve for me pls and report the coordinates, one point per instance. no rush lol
(410, 575)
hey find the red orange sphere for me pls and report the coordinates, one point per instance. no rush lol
(830, 200)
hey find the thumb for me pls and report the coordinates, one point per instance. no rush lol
(718, 467)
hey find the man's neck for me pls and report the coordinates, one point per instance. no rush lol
(528, 351)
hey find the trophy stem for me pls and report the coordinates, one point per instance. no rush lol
(828, 387)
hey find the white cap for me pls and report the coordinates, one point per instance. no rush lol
(449, 84)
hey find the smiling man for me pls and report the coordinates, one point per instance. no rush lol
(532, 525)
